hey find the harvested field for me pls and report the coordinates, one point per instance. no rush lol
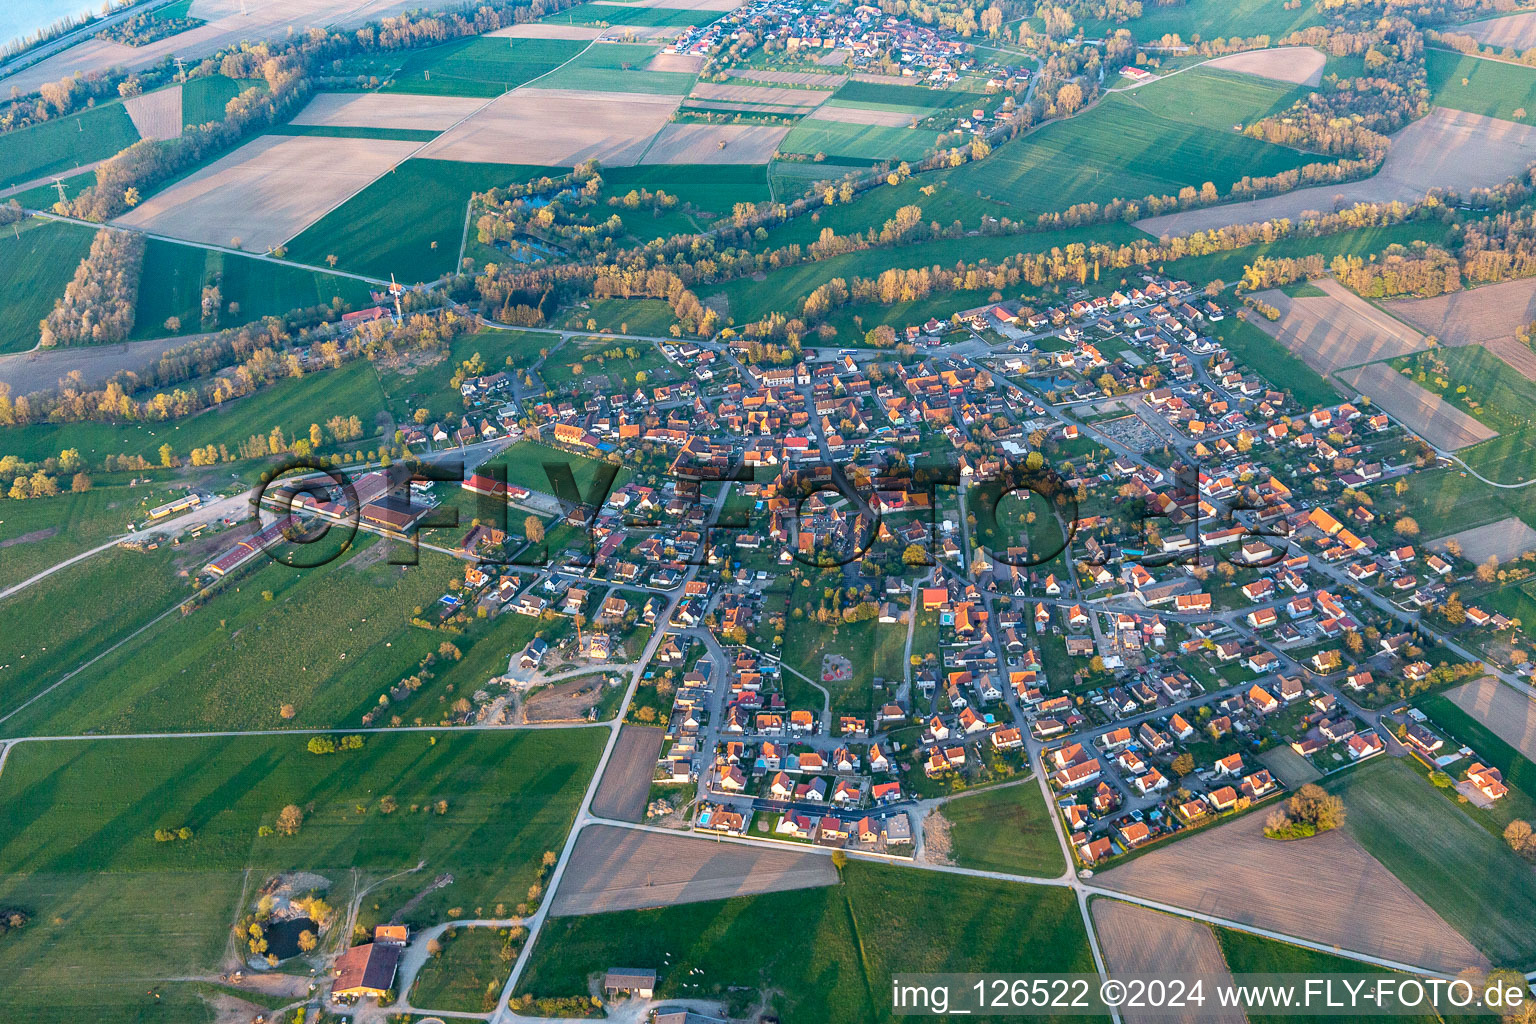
(157, 115)
(1517, 31)
(393, 110)
(616, 868)
(811, 78)
(863, 115)
(1443, 425)
(1486, 316)
(872, 76)
(626, 782)
(1505, 540)
(1507, 712)
(1337, 330)
(1150, 943)
(1231, 871)
(266, 191)
(1449, 149)
(541, 30)
(557, 128)
(776, 95)
(833, 58)
(1299, 65)
(683, 62)
(701, 144)
(724, 107)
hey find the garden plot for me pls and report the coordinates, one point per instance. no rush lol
(1505, 540)
(616, 868)
(157, 115)
(1486, 316)
(394, 110)
(557, 128)
(716, 144)
(1434, 419)
(626, 782)
(1326, 889)
(1507, 712)
(1448, 149)
(1299, 65)
(266, 191)
(1337, 330)
(1149, 943)
(543, 30)
(1517, 32)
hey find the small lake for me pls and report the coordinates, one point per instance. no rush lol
(283, 936)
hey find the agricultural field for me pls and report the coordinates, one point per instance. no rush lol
(59, 147)
(1212, 18)
(482, 66)
(1445, 857)
(1439, 422)
(408, 223)
(635, 15)
(561, 127)
(1337, 329)
(617, 67)
(1004, 829)
(757, 944)
(204, 98)
(1480, 86)
(37, 260)
(1299, 65)
(1517, 31)
(174, 276)
(1149, 943)
(1476, 383)
(852, 144)
(79, 849)
(1496, 709)
(626, 781)
(467, 975)
(40, 532)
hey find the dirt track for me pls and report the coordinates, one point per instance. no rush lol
(1424, 412)
(1151, 944)
(1327, 889)
(1336, 330)
(1484, 316)
(626, 782)
(1448, 148)
(1299, 65)
(700, 144)
(1504, 540)
(1506, 711)
(622, 869)
(266, 191)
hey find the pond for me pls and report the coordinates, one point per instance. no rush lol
(283, 936)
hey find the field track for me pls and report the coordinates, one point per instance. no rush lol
(620, 869)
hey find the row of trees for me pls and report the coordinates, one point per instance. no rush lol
(98, 304)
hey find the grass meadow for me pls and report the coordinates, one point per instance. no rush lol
(876, 922)
(204, 99)
(1480, 86)
(113, 910)
(619, 67)
(40, 532)
(478, 66)
(640, 17)
(59, 146)
(37, 260)
(469, 974)
(868, 143)
(1213, 18)
(1007, 829)
(1485, 387)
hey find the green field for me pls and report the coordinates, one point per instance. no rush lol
(42, 197)
(174, 276)
(871, 143)
(525, 467)
(1482, 385)
(878, 94)
(338, 131)
(407, 223)
(467, 976)
(204, 99)
(1275, 363)
(712, 189)
(77, 613)
(1007, 829)
(1519, 772)
(559, 369)
(873, 648)
(329, 641)
(37, 260)
(619, 67)
(57, 147)
(77, 850)
(626, 316)
(1444, 857)
(292, 404)
(477, 66)
(1211, 19)
(1492, 88)
(640, 17)
(40, 532)
(825, 954)
(1209, 98)
(1444, 501)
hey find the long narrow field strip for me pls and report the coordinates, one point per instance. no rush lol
(814, 79)
(1507, 712)
(777, 95)
(716, 144)
(266, 191)
(676, 5)
(1447, 149)
(1149, 943)
(1351, 901)
(862, 115)
(543, 30)
(1338, 329)
(1299, 65)
(626, 782)
(157, 115)
(557, 128)
(1443, 425)
(622, 869)
(633, 14)
(380, 110)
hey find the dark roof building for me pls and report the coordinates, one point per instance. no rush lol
(367, 970)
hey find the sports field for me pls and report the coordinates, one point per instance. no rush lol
(408, 222)
(1445, 857)
(174, 276)
(37, 260)
(58, 147)
(1007, 829)
(754, 944)
(79, 853)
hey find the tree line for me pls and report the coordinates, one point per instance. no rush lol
(98, 304)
